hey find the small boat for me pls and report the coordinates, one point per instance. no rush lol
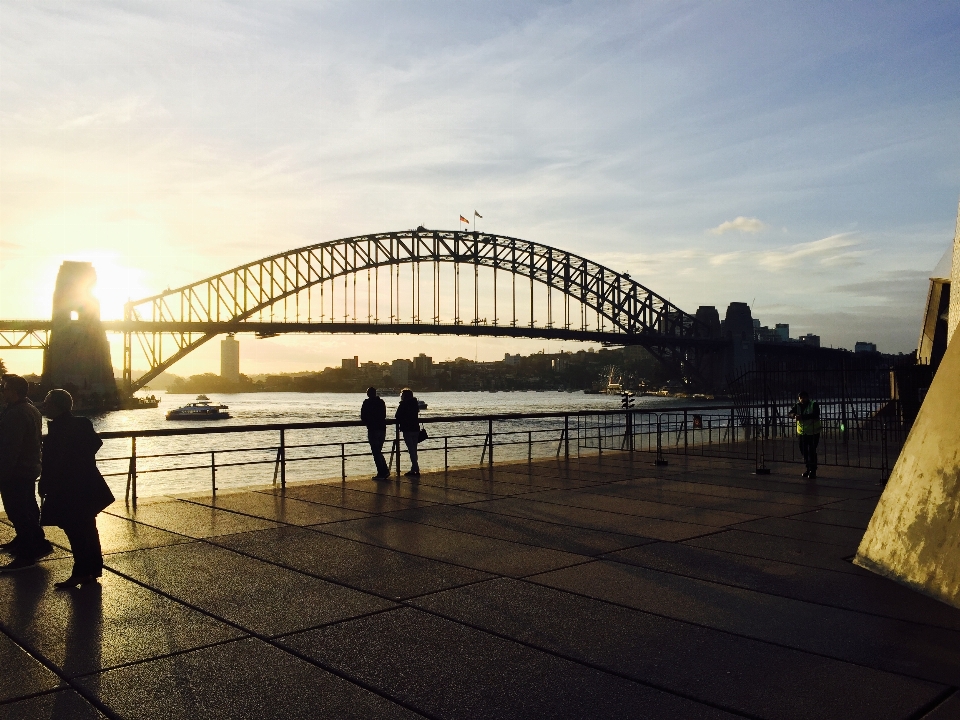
(421, 404)
(200, 409)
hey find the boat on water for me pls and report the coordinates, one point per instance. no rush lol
(421, 405)
(199, 409)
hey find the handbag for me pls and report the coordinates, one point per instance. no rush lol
(422, 435)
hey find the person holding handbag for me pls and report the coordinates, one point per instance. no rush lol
(72, 488)
(408, 420)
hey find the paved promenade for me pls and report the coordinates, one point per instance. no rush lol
(599, 588)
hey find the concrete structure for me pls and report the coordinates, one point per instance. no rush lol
(914, 535)
(600, 588)
(400, 371)
(77, 357)
(230, 359)
(350, 364)
(864, 347)
(738, 329)
(782, 332)
(954, 315)
(810, 339)
(934, 331)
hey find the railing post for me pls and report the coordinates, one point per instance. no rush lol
(446, 465)
(132, 473)
(283, 460)
(490, 440)
(213, 474)
(529, 447)
(599, 437)
(660, 459)
(343, 461)
(396, 442)
(566, 437)
(684, 432)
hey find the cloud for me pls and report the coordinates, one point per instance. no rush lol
(826, 251)
(741, 223)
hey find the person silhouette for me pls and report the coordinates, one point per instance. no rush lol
(373, 414)
(408, 418)
(72, 488)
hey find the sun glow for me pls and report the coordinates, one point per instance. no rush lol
(116, 283)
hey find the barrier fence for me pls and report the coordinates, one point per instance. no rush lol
(857, 433)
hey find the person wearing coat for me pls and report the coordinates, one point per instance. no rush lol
(71, 486)
(408, 418)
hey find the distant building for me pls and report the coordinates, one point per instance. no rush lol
(782, 331)
(865, 347)
(511, 360)
(350, 363)
(230, 359)
(810, 339)
(422, 366)
(400, 371)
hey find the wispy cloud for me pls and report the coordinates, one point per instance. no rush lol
(830, 251)
(741, 223)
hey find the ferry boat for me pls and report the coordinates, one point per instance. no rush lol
(200, 409)
(421, 405)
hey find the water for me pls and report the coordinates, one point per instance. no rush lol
(192, 472)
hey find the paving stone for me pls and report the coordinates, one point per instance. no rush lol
(366, 567)
(99, 626)
(415, 490)
(339, 495)
(643, 508)
(531, 532)
(192, 520)
(594, 519)
(258, 596)
(66, 704)
(120, 534)
(727, 671)
(812, 499)
(866, 592)
(235, 681)
(864, 505)
(448, 670)
(848, 538)
(896, 646)
(949, 709)
(278, 508)
(7, 534)
(479, 485)
(22, 673)
(785, 549)
(831, 516)
(473, 551)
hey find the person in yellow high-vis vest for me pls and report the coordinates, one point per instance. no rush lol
(807, 414)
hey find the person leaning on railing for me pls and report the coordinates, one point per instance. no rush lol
(72, 488)
(408, 418)
(373, 414)
(807, 414)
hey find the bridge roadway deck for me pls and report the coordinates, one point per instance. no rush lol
(599, 588)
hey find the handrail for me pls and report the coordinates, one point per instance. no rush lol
(206, 429)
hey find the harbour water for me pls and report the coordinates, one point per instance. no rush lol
(244, 459)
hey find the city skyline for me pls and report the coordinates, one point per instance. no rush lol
(801, 158)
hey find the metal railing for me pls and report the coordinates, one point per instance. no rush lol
(859, 433)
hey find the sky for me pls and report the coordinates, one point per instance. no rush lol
(803, 157)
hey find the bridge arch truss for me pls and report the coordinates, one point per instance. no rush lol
(411, 282)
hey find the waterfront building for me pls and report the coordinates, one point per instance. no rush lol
(230, 359)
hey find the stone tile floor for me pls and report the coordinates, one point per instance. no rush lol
(599, 588)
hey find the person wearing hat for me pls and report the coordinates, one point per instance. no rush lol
(73, 490)
(20, 429)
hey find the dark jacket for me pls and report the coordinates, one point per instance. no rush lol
(408, 414)
(70, 484)
(20, 428)
(373, 413)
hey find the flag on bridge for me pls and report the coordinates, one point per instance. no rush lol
(478, 214)
(463, 219)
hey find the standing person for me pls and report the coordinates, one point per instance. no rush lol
(20, 429)
(408, 418)
(807, 414)
(72, 488)
(373, 414)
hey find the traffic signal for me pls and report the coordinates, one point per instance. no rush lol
(626, 400)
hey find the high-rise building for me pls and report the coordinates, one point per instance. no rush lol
(400, 371)
(865, 347)
(422, 366)
(782, 331)
(230, 359)
(810, 339)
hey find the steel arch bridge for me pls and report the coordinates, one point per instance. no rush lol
(301, 291)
